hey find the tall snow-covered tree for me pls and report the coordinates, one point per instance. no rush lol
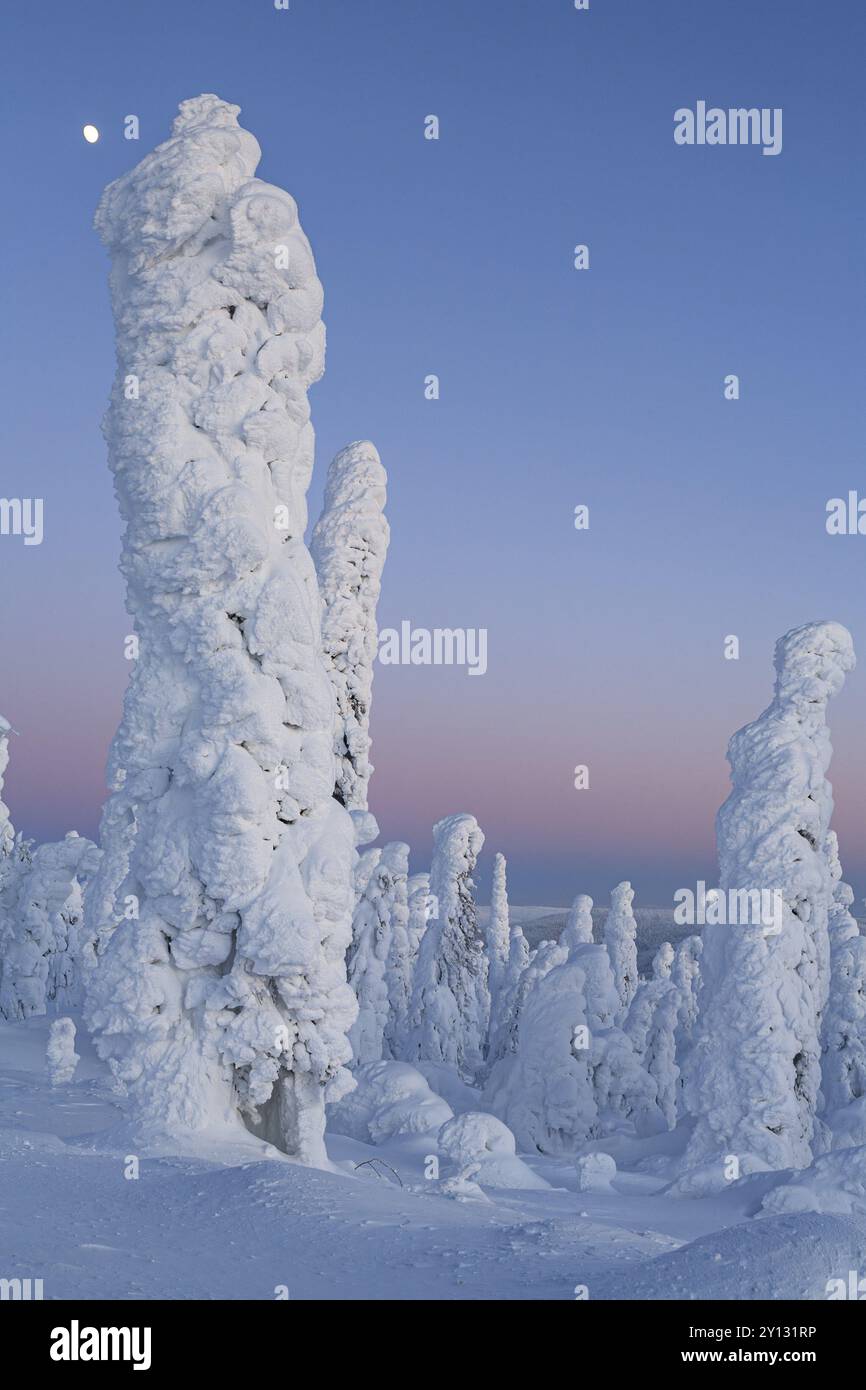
(400, 966)
(7, 834)
(651, 1024)
(686, 975)
(843, 1061)
(450, 1002)
(753, 1073)
(496, 931)
(620, 938)
(226, 994)
(502, 1033)
(349, 546)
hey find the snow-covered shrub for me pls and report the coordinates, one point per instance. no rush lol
(595, 1172)
(450, 1002)
(227, 992)
(44, 946)
(481, 1148)
(753, 1072)
(620, 938)
(391, 1099)
(349, 545)
(377, 965)
(61, 1059)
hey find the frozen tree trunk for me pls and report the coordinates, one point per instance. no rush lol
(349, 545)
(620, 938)
(451, 1003)
(224, 991)
(754, 1069)
(497, 932)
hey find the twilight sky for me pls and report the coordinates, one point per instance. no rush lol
(558, 387)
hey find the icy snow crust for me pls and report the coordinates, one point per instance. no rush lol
(228, 990)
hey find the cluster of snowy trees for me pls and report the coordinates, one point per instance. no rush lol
(43, 945)
(240, 946)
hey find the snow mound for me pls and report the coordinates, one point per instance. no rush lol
(595, 1172)
(482, 1149)
(391, 1099)
(834, 1185)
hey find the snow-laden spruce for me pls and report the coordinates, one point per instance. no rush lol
(502, 1031)
(574, 1075)
(686, 975)
(450, 1008)
(620, 938)
(651, 1025)
(754, 1071)
(44, 944)
(496, 931)
(227, 992)
(843, 1062)
(378, 959)
(7, 833)
(349, 546)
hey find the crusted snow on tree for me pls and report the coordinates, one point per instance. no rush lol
(44, 942)
(572, 1075)
(61, 1059)
(754, 1069)
(620, 938)
(349, 545)
(843, 1061)
(496, 932)
(451, 1003)
(227, 993)
(378, 957)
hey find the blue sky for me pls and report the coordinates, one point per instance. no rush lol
(558, 387)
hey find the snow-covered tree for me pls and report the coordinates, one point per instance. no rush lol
(686, 975)
(496, 932)
(226, 994)
(753, 1073)
(420, 911)
(620, 938)
(843, 1062)
(651, 1025)
(400, 966)
(450, 1002)
(43, 943)
(578, 923)
(349, 545)
(502, 1033)
(574, 1074)
(61, 1059)
(377, 958)
(7, 834)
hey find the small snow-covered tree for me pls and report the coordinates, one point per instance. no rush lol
(450, 1002)
(400, 966)
(502, 1034)
(620, 938)
(496, 932)
(224, 994)
(349, 546)
(651, 1025)
(376, 965)
(61, 1059)
(753, 1072)
(43, 944)
(686, 975)
(843, 1061)
(578, 923)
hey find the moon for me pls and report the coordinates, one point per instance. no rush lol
(91, 134)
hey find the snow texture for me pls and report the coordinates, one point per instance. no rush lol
(227, 992)
(349, 545)
(754, 1070)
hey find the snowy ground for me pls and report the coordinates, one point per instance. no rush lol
(237, 1222)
